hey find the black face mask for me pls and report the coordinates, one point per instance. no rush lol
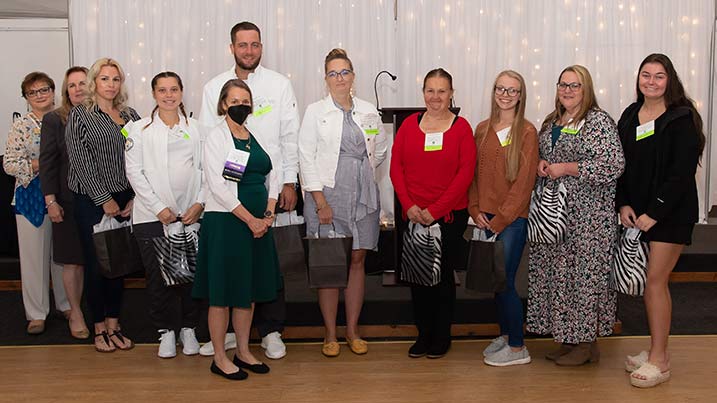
(239, 113)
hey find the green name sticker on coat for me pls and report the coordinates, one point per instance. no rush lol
(644, 131)
(185, 135)
(569, 130)
(262, 110)
(371, 132)
(124, 132)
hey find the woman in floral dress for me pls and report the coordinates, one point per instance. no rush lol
(568, 294)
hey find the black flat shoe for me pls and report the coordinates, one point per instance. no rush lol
(236, 376)
(438, 350)
(418, 349)
(255, 368)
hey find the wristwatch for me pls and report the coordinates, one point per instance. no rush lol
(268, 214)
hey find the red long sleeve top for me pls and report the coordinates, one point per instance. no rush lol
(436, 180)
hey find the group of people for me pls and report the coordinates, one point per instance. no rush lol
(241, 163)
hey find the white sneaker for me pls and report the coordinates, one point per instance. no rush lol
(273, 347)
(230, 342)
(167, 344)
(506, 357)
(495, 345)
(190, 345)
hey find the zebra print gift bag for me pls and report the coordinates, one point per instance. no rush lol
(629, 266)
(548, 217)
(421, 255)
(177, 253)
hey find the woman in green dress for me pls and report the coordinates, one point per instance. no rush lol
(237, 264)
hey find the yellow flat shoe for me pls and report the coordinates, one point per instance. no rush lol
(331, 349)
(357, 346)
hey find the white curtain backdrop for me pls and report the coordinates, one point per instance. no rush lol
(473, 40)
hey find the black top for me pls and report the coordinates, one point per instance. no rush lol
(96, 146)
(659, 177)
(54, 162)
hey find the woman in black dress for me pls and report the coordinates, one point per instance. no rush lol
(54, 163)
(662, 137)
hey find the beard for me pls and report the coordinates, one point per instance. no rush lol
(248, 67)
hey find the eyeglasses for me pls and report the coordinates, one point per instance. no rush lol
(335, 74)
(38, 92)
(502, 91)
(564, 86)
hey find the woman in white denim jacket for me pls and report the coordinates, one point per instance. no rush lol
(340, 145)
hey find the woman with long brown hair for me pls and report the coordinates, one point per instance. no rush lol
(498, 202)
(663, 138)
(569, 295)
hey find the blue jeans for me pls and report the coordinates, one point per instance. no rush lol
(510, 307)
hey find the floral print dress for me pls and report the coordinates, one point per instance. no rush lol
(568, 295)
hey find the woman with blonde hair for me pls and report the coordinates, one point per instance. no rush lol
(569, 296)
(54, 164)
(498, 202)
(340, 145)
(96, 146)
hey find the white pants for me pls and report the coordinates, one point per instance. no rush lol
(36, 267)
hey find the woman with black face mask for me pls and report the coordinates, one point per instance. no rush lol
(237, 264)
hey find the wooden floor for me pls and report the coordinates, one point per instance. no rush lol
(77, 374)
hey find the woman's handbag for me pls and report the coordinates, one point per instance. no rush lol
(116, 248)
(176, 253)
(629, 266)
(30, 203)
(421, 255)
(486, 263)
(328, 260)
(548, 218)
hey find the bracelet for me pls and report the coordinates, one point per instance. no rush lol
(50, 203)
(319, 208)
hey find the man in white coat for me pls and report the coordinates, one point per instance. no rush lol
(275, 121)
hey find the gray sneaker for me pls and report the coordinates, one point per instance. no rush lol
(495, 345)
(506, 357)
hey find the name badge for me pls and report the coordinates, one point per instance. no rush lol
(434, 142)
(503, 136)
(569, 130)
(644, 131)
(235, 165)
(369, 125)
(262, 106)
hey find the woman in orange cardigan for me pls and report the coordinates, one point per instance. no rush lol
(498, 202)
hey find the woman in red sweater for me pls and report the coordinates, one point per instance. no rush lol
(498, 201)
(432, 164)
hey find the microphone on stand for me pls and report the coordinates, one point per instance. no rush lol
(375, 88)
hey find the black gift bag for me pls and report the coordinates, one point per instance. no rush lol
(328, 261)
(486, 264)
(116, 248)
(290, 247)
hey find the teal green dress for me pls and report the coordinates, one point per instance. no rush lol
(235, 269)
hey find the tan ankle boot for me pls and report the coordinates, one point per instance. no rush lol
(581, 354)
(560, 351)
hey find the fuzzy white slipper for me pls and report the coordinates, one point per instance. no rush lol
(653, 376)
(633, 362)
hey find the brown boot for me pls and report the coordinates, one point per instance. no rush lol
(581, 354)
(561, 351)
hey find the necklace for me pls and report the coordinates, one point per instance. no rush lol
(247, 146)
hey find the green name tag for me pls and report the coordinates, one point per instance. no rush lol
(644, 131)
(568, 130)
(262, 111)
(371, 132)
(185, 135)
(124, 132)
